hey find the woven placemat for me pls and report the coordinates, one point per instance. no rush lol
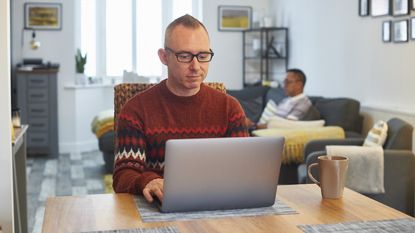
(141, 230)
(150, 213)
(404, 225)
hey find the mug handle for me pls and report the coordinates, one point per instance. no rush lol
(311, 176)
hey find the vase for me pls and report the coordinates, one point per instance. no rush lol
(80, 79)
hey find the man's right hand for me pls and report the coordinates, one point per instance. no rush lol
(154, 187)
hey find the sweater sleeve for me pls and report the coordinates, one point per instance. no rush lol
(130, 173)
(236, 120)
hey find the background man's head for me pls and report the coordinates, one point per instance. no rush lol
(185, 35)
(294, 82)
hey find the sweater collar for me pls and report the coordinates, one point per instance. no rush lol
(182, 99)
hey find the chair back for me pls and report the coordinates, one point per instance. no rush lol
(399, 135)
(125, 91)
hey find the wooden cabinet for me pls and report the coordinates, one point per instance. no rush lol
(265, 55)
(37, 99)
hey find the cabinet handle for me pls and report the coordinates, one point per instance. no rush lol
(38, 139)
(38, 110)
(37, 96)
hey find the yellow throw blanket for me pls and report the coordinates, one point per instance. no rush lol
(295, 139)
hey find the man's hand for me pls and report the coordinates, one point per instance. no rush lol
(154, 187)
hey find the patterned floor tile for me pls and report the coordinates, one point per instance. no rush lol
(69, 174)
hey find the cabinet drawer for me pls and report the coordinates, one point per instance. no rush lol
(37, 95)
(38, 124)
(37, 80)
(37, 139)
(36, 110)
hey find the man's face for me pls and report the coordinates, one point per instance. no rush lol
(292, 85)
(185, 78)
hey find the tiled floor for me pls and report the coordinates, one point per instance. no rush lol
(75, 174)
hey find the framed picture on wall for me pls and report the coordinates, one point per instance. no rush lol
(234, 18)
(413, 28)
(43, 16)
(379, 7)
(400, 31)
(386, 31)
(363, 7)
(400, 7)
(413, 4)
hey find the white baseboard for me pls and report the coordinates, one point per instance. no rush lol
(78, 147)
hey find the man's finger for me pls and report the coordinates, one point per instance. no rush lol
(159, 194)
(147, 195)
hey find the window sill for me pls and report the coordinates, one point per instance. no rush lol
(89, 86)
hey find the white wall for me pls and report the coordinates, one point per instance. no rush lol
(58, 47)
(6, 187)
(343, 55)
(226, 65)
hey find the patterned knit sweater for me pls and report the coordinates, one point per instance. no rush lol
(152, 117)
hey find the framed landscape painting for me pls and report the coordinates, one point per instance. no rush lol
(43, 16)
(234, 18)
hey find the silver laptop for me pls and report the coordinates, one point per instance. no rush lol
(221, 173)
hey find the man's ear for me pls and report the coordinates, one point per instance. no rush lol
(163, 56)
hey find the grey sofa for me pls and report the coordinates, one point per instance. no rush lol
(343, 112)
(399, 164)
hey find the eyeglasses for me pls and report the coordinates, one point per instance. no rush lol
(187, 57)
(286, 82)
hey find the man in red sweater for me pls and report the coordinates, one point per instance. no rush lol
(180, 106)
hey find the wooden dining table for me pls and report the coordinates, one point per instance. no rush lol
(118, 211)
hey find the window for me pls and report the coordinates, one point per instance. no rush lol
(123, 35)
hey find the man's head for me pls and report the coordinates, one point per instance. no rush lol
(186, 37)
(294, 82)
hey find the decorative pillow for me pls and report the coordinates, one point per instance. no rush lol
(282, 123)
(312, 114)
(377, 135)
(270, 110)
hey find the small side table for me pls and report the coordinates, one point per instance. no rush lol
(19, 179)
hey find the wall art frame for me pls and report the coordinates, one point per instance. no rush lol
(234, 18)
(400, 7)
(43, 16)
(379, 8)
(400, 31)
(386, 31)
(364, 7)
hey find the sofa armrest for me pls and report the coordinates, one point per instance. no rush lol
(320, 144)
(399, 181)
(312, 158)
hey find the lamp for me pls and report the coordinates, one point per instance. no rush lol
(34, 44)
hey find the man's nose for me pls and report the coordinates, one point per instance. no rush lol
(195, 64)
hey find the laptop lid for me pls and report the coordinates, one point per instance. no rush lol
(221, 173)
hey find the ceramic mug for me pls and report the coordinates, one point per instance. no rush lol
(333, 172)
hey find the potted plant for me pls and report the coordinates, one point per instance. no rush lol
(80, 62)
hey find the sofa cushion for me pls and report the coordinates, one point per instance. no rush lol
(251, 100)
(377, 135)
(276, 94)
(312, 114)
(342, 112)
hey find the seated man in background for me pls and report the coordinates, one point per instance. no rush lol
(179, 107)
(293, 107)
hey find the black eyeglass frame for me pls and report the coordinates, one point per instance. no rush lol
(177, 54)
